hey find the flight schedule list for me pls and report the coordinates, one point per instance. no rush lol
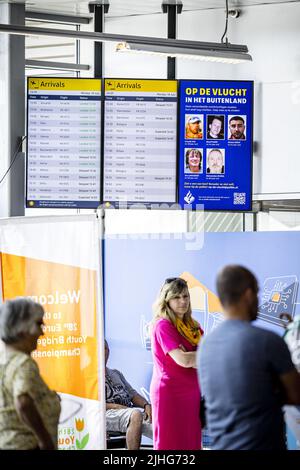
(63, 142)
(139, 142)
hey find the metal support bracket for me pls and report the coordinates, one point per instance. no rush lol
(172, 8)
(176, 3)
(99, 3)
(99, 9)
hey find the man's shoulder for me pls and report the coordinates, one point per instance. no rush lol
(239, 328)
(214, 334)
(270, 339)
(264, 332)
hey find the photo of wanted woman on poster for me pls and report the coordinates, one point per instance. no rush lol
(193, 161)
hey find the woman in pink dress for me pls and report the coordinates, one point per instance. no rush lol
(175, 392)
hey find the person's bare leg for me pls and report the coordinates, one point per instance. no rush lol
(134, 431)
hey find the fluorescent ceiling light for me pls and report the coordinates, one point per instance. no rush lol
(198, 51)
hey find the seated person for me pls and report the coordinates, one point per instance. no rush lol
(126, 410)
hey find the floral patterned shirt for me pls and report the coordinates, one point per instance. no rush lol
(19, 374)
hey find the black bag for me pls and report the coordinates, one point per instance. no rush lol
(202, 413)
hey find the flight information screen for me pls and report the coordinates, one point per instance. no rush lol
(140, 134)
(63, 142)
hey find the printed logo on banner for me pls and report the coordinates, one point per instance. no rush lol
(83, 436)
(66, 438)
(73, 437)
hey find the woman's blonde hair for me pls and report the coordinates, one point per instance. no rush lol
(171, 288)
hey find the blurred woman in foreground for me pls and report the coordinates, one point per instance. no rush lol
(29, 410)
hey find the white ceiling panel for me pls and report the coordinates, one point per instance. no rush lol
(135, 7)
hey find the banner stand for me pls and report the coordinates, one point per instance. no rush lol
(56, 262)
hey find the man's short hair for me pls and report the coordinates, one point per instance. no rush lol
(237, 118)
(220, 118)
(232, 282)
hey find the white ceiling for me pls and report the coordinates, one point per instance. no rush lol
(134, 7)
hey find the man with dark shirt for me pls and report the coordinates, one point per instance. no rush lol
(215, 127)
(246, 373)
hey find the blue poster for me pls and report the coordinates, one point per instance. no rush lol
(215, 145)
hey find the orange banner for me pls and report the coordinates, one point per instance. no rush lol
(67, 354)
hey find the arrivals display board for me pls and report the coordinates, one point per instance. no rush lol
(63, 142)
(215, 145)
(140, 141)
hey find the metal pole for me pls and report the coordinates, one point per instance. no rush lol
(98, 51)
(99, 9)
(42, 64)
(172, 17)
(12, 118)
(56, 18)
(254, 222)
(172, 8)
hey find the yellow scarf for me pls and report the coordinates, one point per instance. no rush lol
(190, 331)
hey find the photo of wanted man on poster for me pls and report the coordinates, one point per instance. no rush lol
(215, 161)
(215, 127)
(194, 126)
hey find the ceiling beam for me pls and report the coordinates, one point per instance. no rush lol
(43, 64)
(56, 18)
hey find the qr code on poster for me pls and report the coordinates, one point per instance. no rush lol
(239, 198)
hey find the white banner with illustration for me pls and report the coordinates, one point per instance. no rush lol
(56, 261)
